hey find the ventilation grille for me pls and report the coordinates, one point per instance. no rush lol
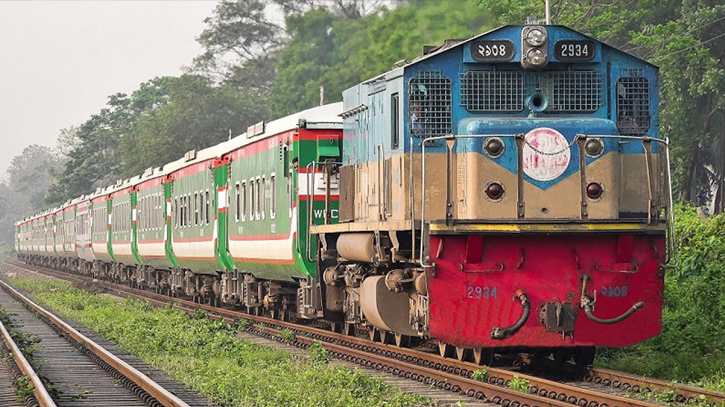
(633, 105)
(492, 91)
(429, 96)
(572, 91)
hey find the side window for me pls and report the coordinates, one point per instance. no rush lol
(395, 122)
(264, 196)
(257, 203)
(176, 212)
(633, 105)
(206, 206)
(272, 197)
(237, 203)
(429, 109)
(252, 201)
(196, 208)
(244, 200)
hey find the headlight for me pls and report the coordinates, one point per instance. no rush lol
(535, 37)
(536, 57)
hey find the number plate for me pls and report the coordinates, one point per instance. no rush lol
(492, 51)
(574, 50)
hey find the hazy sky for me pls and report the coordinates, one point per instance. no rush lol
(60, 60)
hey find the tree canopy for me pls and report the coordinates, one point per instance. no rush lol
(264, 59)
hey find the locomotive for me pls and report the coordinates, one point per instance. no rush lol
(506, 192)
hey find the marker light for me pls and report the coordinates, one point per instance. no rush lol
(494, 191)
(494, 147)
(594, 190)
(594, 147)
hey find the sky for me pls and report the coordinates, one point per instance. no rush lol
(60, 60)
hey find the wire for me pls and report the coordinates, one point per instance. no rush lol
(690, 47)
(688, 31)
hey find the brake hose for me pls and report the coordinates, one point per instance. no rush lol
(503, 333)
(588, 305)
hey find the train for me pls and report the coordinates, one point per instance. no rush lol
(505, 193)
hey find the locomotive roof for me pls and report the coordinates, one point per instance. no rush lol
(451, 44)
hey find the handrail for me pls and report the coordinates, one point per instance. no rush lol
(311, 184)
(672, 246)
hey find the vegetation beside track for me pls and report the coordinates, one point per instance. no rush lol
(209, 357)
(692, 345)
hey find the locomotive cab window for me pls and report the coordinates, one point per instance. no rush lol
(633, 105)
(429, 109)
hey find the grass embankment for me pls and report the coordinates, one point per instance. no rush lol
(692, 345)
(207, 356)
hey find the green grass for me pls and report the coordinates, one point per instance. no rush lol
(207, 355)
(691, 348)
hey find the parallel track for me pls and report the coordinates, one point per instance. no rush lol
(19, 366)
(446, 373)
(143, 390)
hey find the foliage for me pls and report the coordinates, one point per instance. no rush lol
(692, 344)
(336, 53)
(288, 335)
(481, 375)
(318, 353)
(29, 176)
(209, 357)
(519, 384)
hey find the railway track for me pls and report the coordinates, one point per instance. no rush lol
(596, 387)
(82, 372)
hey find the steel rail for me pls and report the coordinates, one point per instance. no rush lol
(686, 393)
(155, 390)
(496, 376)
(41, 393)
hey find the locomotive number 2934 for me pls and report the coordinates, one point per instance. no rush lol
(477, 292)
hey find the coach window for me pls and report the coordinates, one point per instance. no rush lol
(207, 205)
(182, 211)
(196, 208)
(252, 199)
(244, 200)
(264, 196)
(237, 203)
(272, 197)
(201, 207)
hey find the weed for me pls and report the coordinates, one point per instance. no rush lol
(481, 374)
(318, 353)
(209, 357)
(288, 335)
(518, 384)
(23, 389)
